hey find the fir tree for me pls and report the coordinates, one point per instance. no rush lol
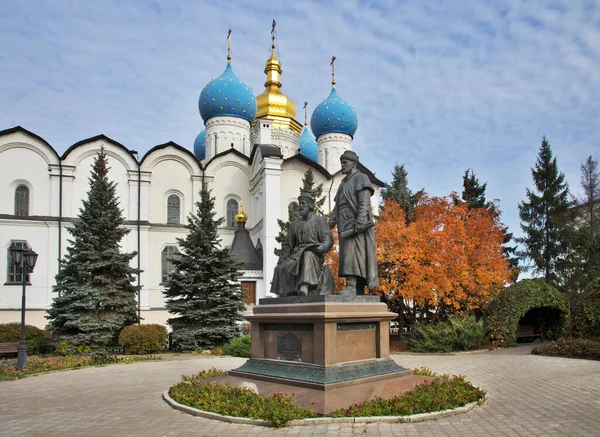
(473, 192)
(308, 186)
(399, 192)
(474, 195)
(96, 295)
(203, 292)
(542, 216)
(589, 204)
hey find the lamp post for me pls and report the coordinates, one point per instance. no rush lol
(26, 258)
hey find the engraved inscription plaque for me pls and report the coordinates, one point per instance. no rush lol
(289, 347)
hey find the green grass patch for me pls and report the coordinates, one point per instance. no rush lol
(36, 365)
(571, 347)
(444, 392)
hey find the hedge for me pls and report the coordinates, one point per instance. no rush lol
(585, 315)
(143, 339)
(34, 336)
(502, 315)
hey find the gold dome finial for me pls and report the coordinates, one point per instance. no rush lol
(272, 103)
(241, 216)
(229, 46)
(305, 115)
(332, 71)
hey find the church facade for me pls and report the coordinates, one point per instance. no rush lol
(252, 155)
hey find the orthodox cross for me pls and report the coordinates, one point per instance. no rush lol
(332, 70)
(229, 45)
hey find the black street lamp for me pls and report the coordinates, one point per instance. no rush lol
(26, 258)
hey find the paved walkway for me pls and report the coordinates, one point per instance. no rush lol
(527, 396)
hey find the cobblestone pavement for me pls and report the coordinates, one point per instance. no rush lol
(527, 396)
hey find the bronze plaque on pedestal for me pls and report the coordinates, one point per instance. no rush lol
(289, 347)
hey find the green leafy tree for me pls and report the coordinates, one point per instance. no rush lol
(399, 192)
(96, 295)
(543, 217)
(309, 185)
(203, 292)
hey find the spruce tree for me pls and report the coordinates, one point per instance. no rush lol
(203, 292)
(96, 295)
(308, 186)
(399, 192)
(543, 215)
(473, 192)
(474, 195)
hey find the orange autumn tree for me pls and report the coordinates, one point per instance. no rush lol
(332, 260)
(447, 259)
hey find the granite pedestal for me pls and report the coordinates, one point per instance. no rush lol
(321, 343)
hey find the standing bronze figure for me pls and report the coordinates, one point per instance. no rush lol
(354, 219)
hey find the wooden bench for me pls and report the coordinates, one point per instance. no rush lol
(8, 348)
(526, 331)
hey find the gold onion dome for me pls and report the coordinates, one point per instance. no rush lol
(272, 103)
(241, 216)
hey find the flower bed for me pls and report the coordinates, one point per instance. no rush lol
(35, 365)
(443, 393)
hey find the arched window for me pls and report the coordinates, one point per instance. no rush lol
(22, 201)
(173, 210)
(232, 210)
(166, 258)
(13, 271)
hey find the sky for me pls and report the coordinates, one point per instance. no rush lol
(439, 86)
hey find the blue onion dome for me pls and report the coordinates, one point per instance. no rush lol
(334, 115)
(227, 95)
(308, 145)
(199, 147)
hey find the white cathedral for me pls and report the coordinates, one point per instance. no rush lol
(252, 154)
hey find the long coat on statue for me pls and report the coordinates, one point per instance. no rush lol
(358, 253)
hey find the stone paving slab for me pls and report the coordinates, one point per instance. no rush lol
(527, 396)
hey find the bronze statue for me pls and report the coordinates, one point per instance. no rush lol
(354, 219)
(300, 270)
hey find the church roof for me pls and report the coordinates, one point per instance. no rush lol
(244, 251)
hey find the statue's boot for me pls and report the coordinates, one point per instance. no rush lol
(303, 290)
(350, 288)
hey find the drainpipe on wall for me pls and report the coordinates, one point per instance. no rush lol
(139, 246)
(60, 192)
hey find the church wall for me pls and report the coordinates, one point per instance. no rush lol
(224, 133)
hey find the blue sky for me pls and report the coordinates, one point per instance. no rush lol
(440, 86)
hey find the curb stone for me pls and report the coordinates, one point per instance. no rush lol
(323, 420)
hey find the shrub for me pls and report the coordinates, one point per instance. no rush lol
(65, 348)
(571, 347)
(502, 315)
(585, 316)
(143, 339)
(34, 337)
(238, 347)
(443, 393)
(458, 333)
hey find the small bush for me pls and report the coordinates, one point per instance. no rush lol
(238, 347)
(143, 339)
(64, 348)
(459, 333)
(34, 337)
(571, 347)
